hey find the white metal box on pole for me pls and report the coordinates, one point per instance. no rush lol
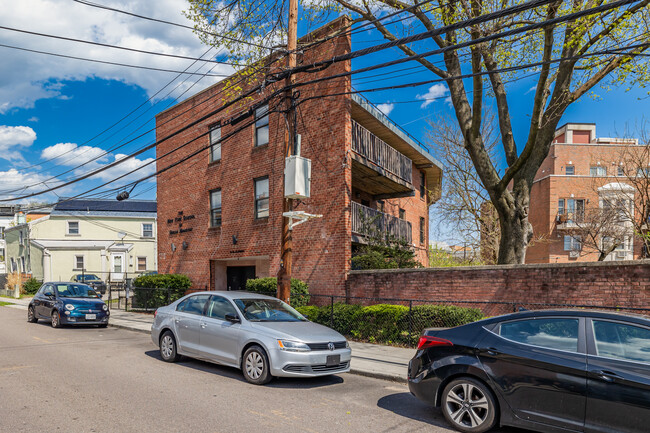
(297, 177)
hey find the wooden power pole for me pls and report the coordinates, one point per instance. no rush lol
(284, 274)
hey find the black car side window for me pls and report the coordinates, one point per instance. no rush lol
(553, 333)
(47, 291)
(622, 341)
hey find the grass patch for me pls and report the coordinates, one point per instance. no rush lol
(2, 303)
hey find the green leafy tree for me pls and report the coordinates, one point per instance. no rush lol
(574, 57)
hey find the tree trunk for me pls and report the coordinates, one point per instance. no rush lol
(516, 230)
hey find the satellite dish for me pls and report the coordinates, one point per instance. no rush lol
(121, 235)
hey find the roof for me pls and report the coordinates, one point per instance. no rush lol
(91, 213)
(106, 205)
(72, 244)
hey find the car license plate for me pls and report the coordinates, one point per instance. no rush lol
(333, 360)
(91, 316)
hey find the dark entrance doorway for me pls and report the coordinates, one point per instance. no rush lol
(237, 276)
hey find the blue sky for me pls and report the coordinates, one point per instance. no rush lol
(52, 107)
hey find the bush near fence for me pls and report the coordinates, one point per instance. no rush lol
(31, 286)
(389, 324)
(269, 285)
(171, 287)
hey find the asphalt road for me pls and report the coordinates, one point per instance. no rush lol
(113, 380)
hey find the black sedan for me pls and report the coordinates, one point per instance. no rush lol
(92, 280)
(550, 371)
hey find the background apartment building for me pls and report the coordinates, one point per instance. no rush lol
(585, 195)
(220, 212)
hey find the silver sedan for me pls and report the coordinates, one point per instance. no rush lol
(261, 335)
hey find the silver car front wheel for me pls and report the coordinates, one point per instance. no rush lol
(256, 366)
(469, 406)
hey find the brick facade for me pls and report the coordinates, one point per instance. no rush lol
(610, 284)
(322, 247)
(575, 146)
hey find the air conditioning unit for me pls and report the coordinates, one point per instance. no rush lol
(621, 254)
(297, 177)
(574, 254)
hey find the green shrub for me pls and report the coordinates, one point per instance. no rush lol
(269, 286)
(309, 311)
(172, 287)
(31, 286)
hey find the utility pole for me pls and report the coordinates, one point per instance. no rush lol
(284, 274)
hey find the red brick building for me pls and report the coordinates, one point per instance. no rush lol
(220, 211)
(581, 172)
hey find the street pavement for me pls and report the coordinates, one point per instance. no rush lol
(85, 379)
(373, 360)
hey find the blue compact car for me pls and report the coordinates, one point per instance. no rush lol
(68, 304)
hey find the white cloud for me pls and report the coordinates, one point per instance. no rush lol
(33, 119)
(435, 92)
(27, 77)
(12, 138)
(148, 168)
(69, 154)
(15, 183)
(386, 108)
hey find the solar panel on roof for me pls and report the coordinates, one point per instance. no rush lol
(107, 205)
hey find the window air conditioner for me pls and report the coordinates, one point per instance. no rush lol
(574, 254)
(620, 254)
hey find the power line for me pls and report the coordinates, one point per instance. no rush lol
(149, 68)
(117, 47)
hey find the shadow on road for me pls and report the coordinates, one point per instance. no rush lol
(234, 373)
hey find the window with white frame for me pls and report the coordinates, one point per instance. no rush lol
(597, 171)
(570, 170)
(215, 208)
(262, 197)
(262, 125)
(73, 227)
(142, 263)
(147, 230)
(620, 171)
(22, 265)
(13, 265)
(215, 143)
(79, 262)
(572, 243)
(21, 238)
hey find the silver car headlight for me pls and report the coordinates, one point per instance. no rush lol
(104, 307)
(293, 346)
(69, 307)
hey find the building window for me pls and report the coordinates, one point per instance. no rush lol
(380, 206)
(215, 208)
(643, 172)
(142, 263)
(572, 243)
(570, 170)
(79, 262)
(366, 203)
(422, 184)
(21, 238)
(73, 227)
(262, 125)
(22, 265)
(560, 206)
(422, 227)
(215, 143)
(13, 265)
(147, 230)
(402, 214)
(262, 197)
(597, 171)
(621, 171)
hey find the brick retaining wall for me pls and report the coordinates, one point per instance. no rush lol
(607, 284)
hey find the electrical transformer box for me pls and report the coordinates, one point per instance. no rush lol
(297, 177)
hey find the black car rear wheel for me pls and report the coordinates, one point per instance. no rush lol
(469, 405)
(31, 316)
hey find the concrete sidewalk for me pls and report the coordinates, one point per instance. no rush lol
(373, 360)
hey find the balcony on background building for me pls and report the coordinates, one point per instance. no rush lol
(382, 221)
(569, 220)
(378, 168)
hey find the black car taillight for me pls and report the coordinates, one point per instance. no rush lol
(427, 341)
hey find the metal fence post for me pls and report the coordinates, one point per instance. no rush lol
(410, 319)
(169, 296)
(332, 312)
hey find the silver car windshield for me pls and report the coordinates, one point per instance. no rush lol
(268, 310)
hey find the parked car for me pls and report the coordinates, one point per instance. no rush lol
(547, 371)
(261, 335)
(92, 280)
(68, 304)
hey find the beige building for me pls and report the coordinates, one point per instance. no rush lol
(113, 240)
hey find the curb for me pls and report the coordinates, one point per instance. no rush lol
(128, 328)
(382, 376)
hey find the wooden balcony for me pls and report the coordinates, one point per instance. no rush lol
(377, 167)
(382, 221)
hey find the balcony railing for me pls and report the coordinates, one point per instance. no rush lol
(383, 222)
(371, 147)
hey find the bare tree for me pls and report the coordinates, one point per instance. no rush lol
(604, 47)
(464, 204)
(598, 229)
